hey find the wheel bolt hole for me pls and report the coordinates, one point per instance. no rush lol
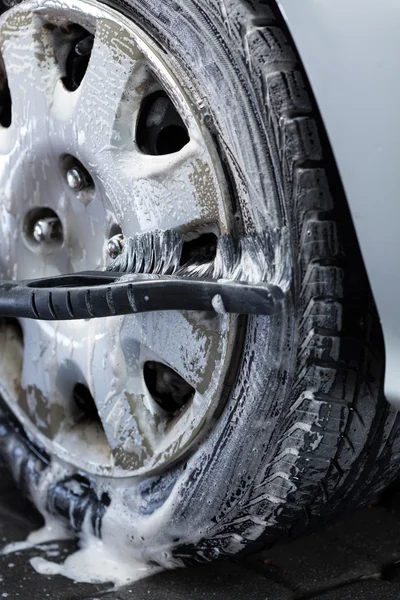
(42, 230)
(75, 174)
(115, 241)
(168, 389)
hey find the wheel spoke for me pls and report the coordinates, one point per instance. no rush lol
(48, 395)
(179, 190)
(31, 69)
(110, 92)
(45, 392)
(115, 382)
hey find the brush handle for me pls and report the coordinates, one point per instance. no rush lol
(91, 295)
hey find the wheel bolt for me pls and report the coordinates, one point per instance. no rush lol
(47, 230)
(115, 245)
(75, 179)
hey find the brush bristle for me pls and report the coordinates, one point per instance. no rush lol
(157, 252)
(251, 259)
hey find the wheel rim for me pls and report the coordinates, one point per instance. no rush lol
(88, 391)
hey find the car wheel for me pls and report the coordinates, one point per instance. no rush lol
(182, 437)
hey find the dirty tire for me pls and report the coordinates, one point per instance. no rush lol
(306, 430)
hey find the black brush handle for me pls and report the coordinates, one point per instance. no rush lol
(92, 295)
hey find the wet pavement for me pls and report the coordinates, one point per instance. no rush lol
(356, 558)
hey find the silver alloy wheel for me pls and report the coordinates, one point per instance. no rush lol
(55, 130)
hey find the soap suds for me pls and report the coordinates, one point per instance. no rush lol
(92, 563)
(53, 530)
(95, 564)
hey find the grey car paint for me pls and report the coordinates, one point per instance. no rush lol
(351, 52)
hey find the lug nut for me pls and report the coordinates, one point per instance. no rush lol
(115, 245)
(75, 179)
(47, 230)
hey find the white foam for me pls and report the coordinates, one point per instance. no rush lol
(52, 530)
(95, 564)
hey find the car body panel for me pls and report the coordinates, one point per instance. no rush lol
(351, 52)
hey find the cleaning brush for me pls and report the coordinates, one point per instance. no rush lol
(157, 271)
(250, 259)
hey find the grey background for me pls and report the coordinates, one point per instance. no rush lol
(350, 51)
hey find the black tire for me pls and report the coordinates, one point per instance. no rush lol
(306, 430)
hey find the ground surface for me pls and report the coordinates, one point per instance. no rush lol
(353, 559)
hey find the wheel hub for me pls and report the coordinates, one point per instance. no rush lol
(79, 169)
